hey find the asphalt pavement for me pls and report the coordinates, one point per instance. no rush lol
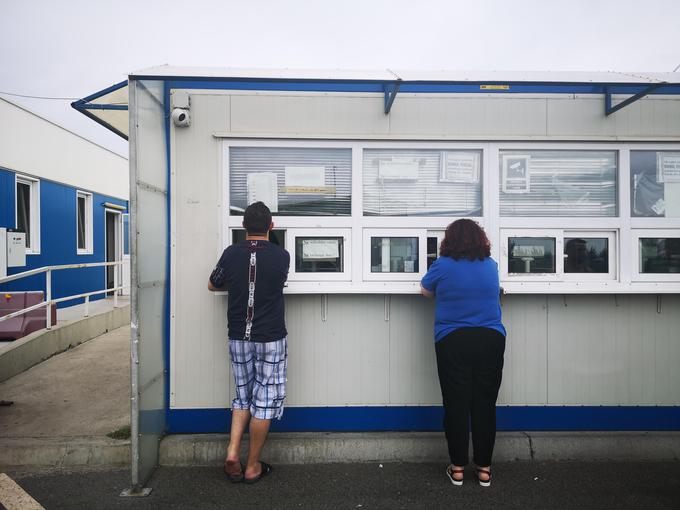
(516, 485)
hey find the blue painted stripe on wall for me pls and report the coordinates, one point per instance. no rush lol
(347, 419)
(58, 240)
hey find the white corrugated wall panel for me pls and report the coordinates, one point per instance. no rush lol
(199, 357)
(465, 116)
(525, 370)
(311, 115)
(604, 350)
(340, 361)
(583, 117)
(413, 363)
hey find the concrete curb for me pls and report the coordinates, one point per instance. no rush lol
(63, 452)
(322, 448)
(310, 448)
(22, 354)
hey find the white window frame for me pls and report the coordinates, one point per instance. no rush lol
(531, 277)
(420, 234)
(625, 280)
(635, 249)
(612, 251)
(345, 233)
(34, 219)
(560, 275)
(439, 234)
(89, 222)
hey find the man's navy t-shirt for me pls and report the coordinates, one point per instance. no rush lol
(271, 273)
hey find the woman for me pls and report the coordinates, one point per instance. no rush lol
(469, 342)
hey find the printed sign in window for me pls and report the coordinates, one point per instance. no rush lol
(516, 173)
(318, 254)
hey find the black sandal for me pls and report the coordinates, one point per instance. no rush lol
(265, 470)
(487, 482)
(450, 471)
(234, 478)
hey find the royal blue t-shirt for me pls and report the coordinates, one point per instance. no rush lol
(271, 274)
(466, 294)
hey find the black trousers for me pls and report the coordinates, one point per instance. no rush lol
(470, 366)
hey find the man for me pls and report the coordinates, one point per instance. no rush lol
(254, 272)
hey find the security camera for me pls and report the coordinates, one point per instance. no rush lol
(180, 117)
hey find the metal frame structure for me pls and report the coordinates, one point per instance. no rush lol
(48, 287)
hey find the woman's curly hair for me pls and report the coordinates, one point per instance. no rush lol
(465, 239)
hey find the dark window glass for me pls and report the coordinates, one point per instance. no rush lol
(586, 255)
(81, 223)
(277, 237)
(660, 255)
(318, 254)
(432, 250)
(24, 210)
(531, 255)
(394, 255)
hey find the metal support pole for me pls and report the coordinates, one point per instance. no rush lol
(115, 286)
(48, 298)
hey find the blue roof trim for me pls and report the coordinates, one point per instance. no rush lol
(83, 105)
(101, 93)
(415, 87)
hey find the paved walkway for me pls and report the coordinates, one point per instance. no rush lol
(516, 485)
(77, 312)
(84, 391)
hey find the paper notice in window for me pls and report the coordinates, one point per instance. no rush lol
(262, 187)
(398, 169)
(668, 167)
(528, 251)
(462, 167)
(320, 249)
(305, 176)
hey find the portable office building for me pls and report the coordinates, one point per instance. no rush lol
(575, 177)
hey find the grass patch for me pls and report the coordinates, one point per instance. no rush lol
(121, 433)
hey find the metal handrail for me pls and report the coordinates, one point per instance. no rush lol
(48, 288)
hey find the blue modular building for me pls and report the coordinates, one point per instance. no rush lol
(69, 196)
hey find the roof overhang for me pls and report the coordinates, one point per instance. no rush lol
(109, 107)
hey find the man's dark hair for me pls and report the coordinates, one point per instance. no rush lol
(465, 239)
(257, 218)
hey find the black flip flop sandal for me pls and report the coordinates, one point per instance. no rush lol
(238, 478)
(266, 469)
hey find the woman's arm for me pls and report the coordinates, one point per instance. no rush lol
(426, 292)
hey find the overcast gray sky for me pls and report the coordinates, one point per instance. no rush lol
(72, 48)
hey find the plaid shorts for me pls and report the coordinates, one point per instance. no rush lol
(260, 376)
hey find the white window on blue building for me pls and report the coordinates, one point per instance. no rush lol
(84, 223)
(27, 203)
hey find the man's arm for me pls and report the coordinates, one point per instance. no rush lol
(218, 277)
(213, 288)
